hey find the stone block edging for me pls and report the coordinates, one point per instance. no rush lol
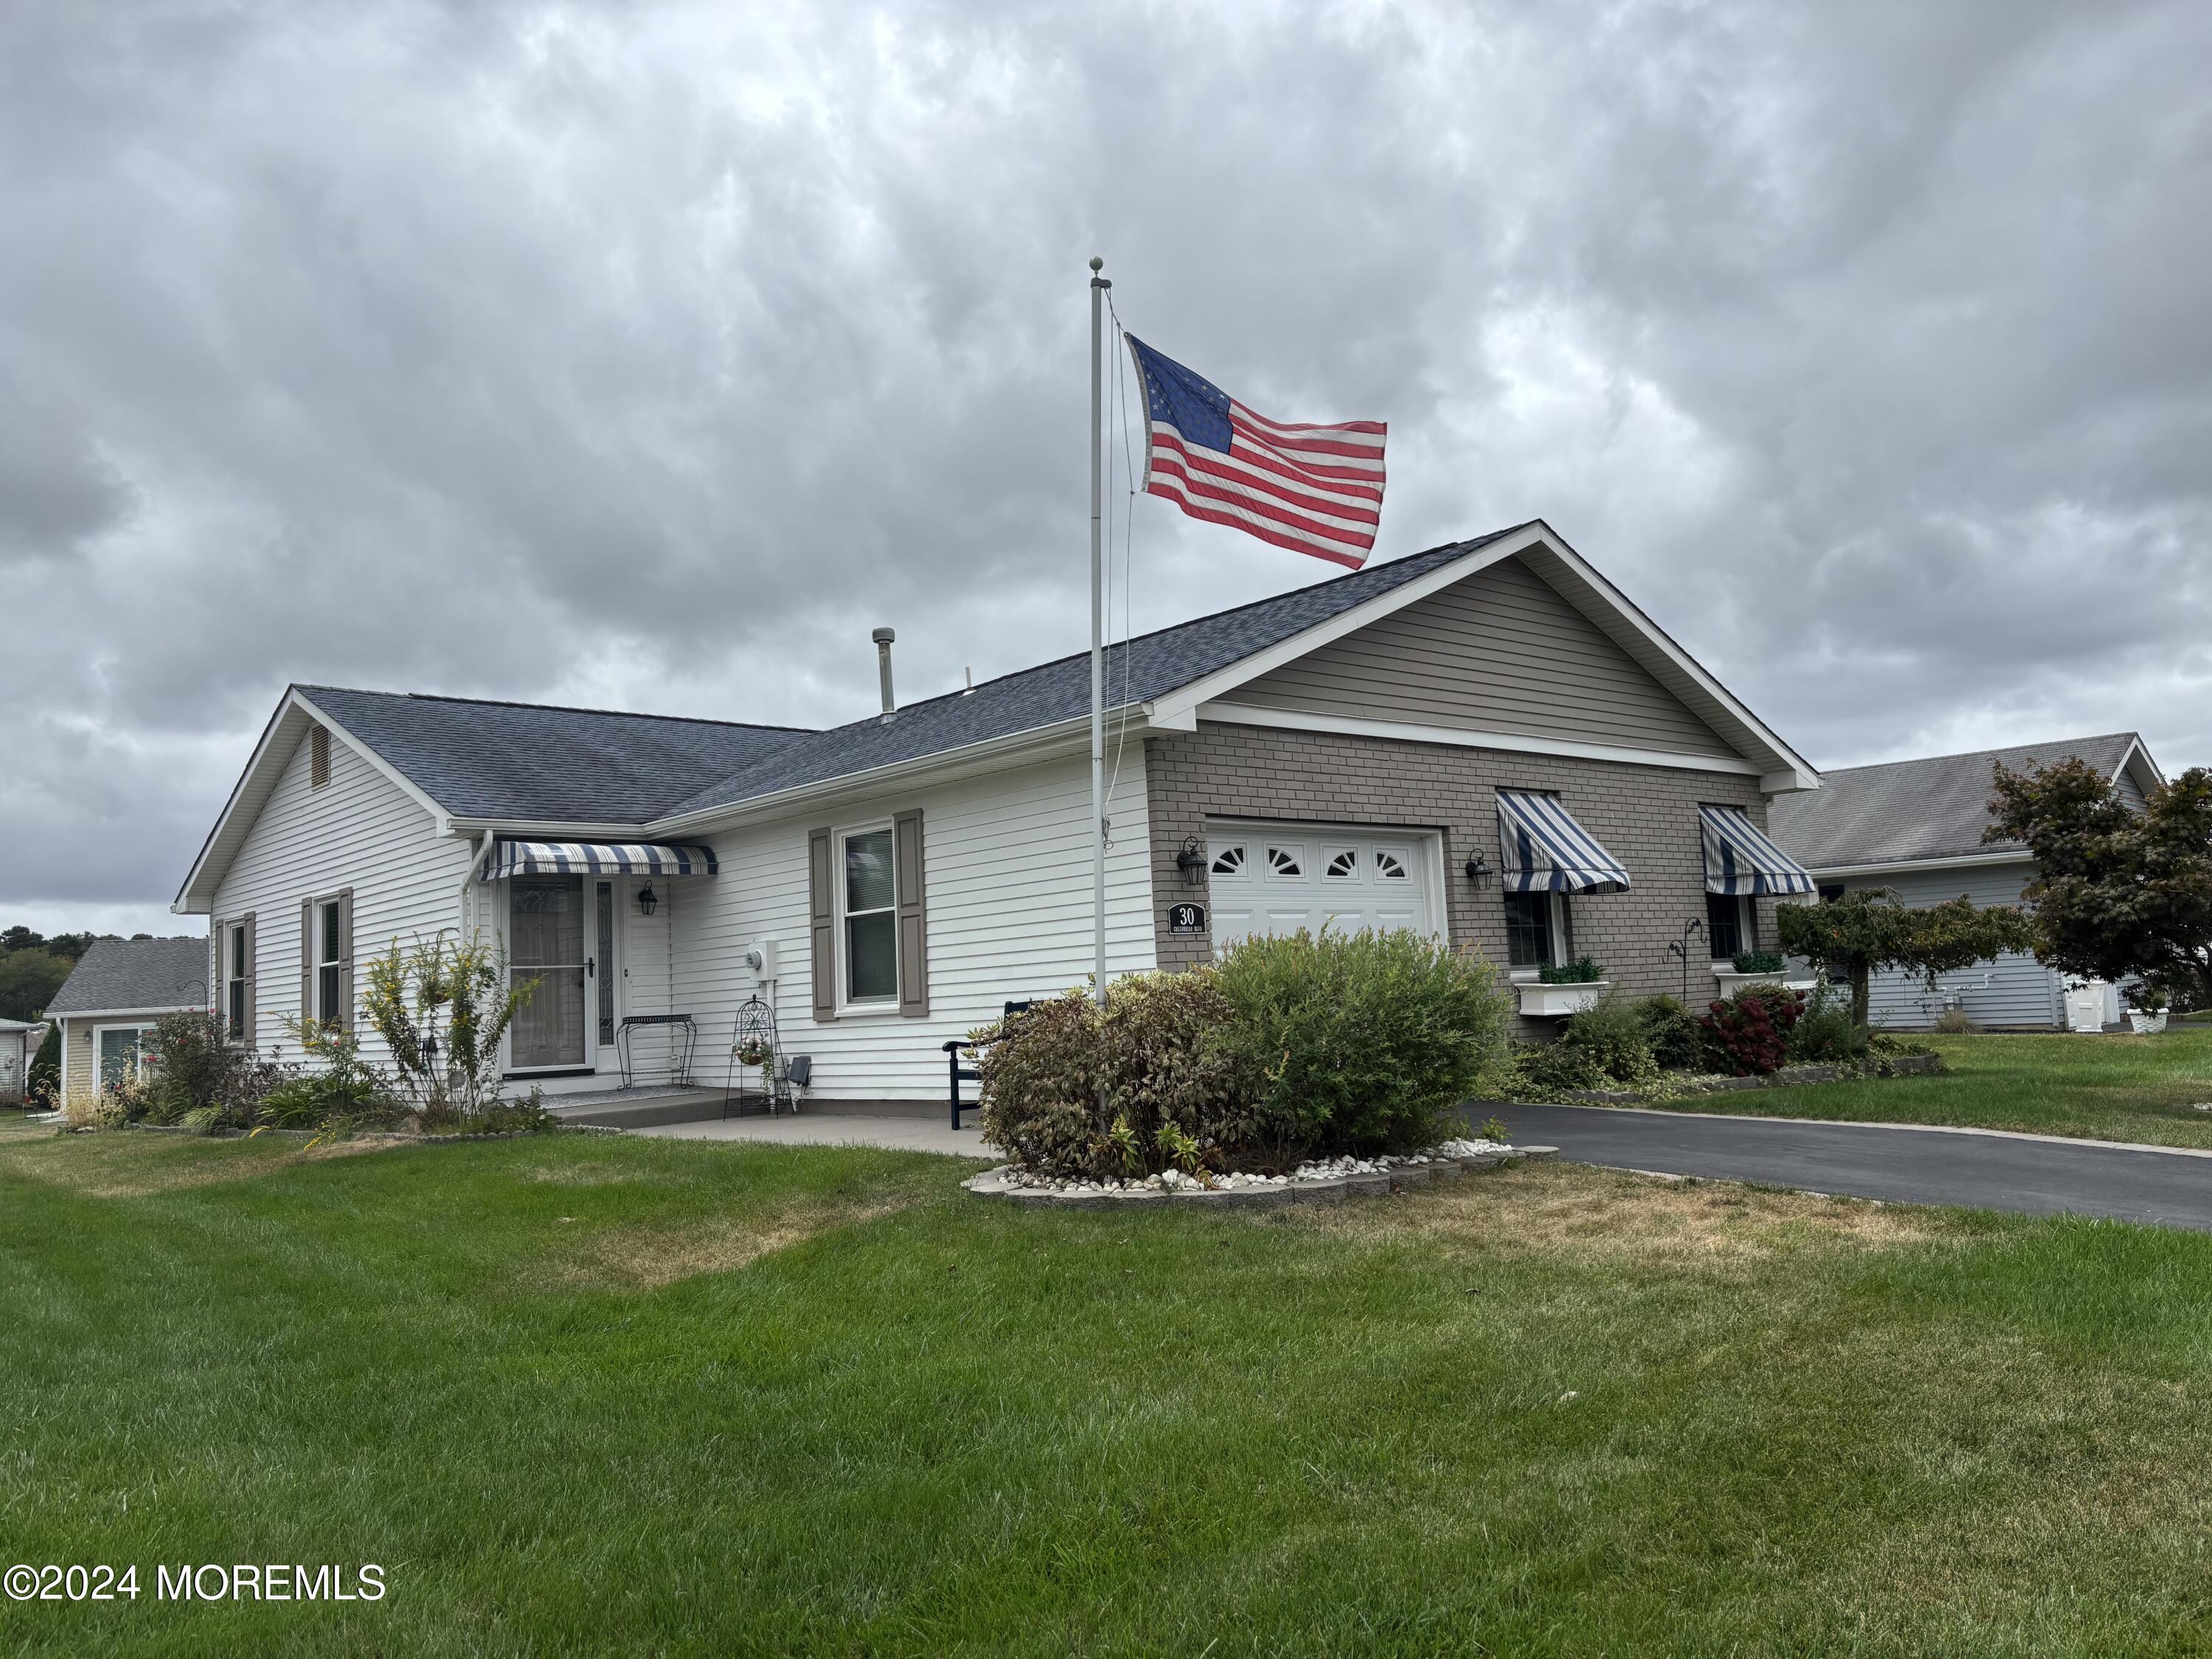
(1331, 1189)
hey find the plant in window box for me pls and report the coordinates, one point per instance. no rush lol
(1757, 962)
(1582, 971)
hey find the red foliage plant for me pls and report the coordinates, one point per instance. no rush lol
(1752, 1029)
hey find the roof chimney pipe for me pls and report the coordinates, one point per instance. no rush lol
(883, 637)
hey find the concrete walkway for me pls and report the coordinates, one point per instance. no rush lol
(904, 1134)
(2033, 1175)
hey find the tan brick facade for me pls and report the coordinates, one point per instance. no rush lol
(1646, 816)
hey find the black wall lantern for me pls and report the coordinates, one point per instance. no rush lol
(1192, 862)
(646, 901)
(1477, 871)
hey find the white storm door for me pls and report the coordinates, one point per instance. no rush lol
(547, 926)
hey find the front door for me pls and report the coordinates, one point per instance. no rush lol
(546, 933)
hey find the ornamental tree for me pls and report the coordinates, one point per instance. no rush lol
(2118, 891)
(1869, 928)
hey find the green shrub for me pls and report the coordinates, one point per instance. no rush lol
(1289, 1047)
(1757, 962)
(1361, 1041)
(1552, 1070)
(1672, 1033)
(1582, 971)
(196, 1069)
(1954, 1022)
(1824, 1032)
(1611, 1032)
(315, 1100)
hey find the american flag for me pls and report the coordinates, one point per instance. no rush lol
(1314, 489)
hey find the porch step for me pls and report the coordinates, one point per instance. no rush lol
(691, 1108)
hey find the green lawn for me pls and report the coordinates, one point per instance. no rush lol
(2106, 1088)
(604, 1393)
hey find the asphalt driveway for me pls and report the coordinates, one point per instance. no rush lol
(2033, 1175)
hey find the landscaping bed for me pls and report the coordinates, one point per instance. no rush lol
(1331, 1181)
(1679, 1087)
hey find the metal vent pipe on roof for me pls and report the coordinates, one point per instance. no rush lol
(883, 637)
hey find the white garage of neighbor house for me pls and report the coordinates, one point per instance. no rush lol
(1486, 741)
(1916, 827)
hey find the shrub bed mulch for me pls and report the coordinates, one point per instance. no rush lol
(1365, 1177)
(1788, 1077)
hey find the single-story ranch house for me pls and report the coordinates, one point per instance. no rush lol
(1486, 741)
(110, 1000)
(1916, 827)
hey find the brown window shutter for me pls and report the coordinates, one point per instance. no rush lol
(912, 921)
(345, 958)
(822, 920)
(250, 1035)
(218, 981)
(306, 960)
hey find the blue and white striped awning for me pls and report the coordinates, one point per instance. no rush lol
(596, 858)
(1741, 861)
(1543, 849)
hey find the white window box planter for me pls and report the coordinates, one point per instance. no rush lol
(2145, 1024)
(1731, 981)
(1542, 1001)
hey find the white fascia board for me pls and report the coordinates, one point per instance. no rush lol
(1520, 743)
(1619, 606)
(2139, 765)
(924, 771)
(1787, 783)
(193, 900)
(1908, 867)
(1170, 712)
(521, 829)
(129, 1013)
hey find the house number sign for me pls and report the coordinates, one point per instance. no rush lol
(1186, 918)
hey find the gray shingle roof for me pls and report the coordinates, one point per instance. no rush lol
(1149, 666)
(1907, 811)
(524, 762)
(136, 973)
(530, 762)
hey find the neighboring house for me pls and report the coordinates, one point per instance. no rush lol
(106, 1007)
(1486, 741)
(1915, 826)
(19, 1041)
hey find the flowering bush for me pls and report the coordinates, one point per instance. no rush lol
(1752, 1028)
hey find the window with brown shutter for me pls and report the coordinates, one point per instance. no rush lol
(913, 919)
(822, 920)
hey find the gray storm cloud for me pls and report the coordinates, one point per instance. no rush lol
(648, 357)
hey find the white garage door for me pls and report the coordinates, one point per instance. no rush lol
(1277, 879)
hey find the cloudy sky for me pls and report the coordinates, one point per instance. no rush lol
(648, 355)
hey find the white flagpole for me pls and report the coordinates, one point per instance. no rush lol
(1098, 287)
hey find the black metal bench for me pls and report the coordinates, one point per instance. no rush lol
(960, 1073)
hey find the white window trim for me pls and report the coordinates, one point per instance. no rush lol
(98, 1081)
(234, 973)
(322, 906)
(1555, 914)
(869, 1007)
(1746, 924)
(590, 1064)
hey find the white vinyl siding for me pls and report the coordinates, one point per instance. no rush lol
(1007, 860)
(358, 831)
(2014, 990)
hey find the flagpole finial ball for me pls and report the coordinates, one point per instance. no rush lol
(1098, 263)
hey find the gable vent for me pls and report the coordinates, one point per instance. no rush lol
(319, 756)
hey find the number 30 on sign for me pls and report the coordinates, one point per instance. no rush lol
(1186, 918)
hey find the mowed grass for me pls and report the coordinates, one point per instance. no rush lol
(2103, 1088)
(597, 1393)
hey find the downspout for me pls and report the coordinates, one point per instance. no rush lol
(479, 849)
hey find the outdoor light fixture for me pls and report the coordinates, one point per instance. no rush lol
(1192, 862)
(1477, 871)
(646, 901)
